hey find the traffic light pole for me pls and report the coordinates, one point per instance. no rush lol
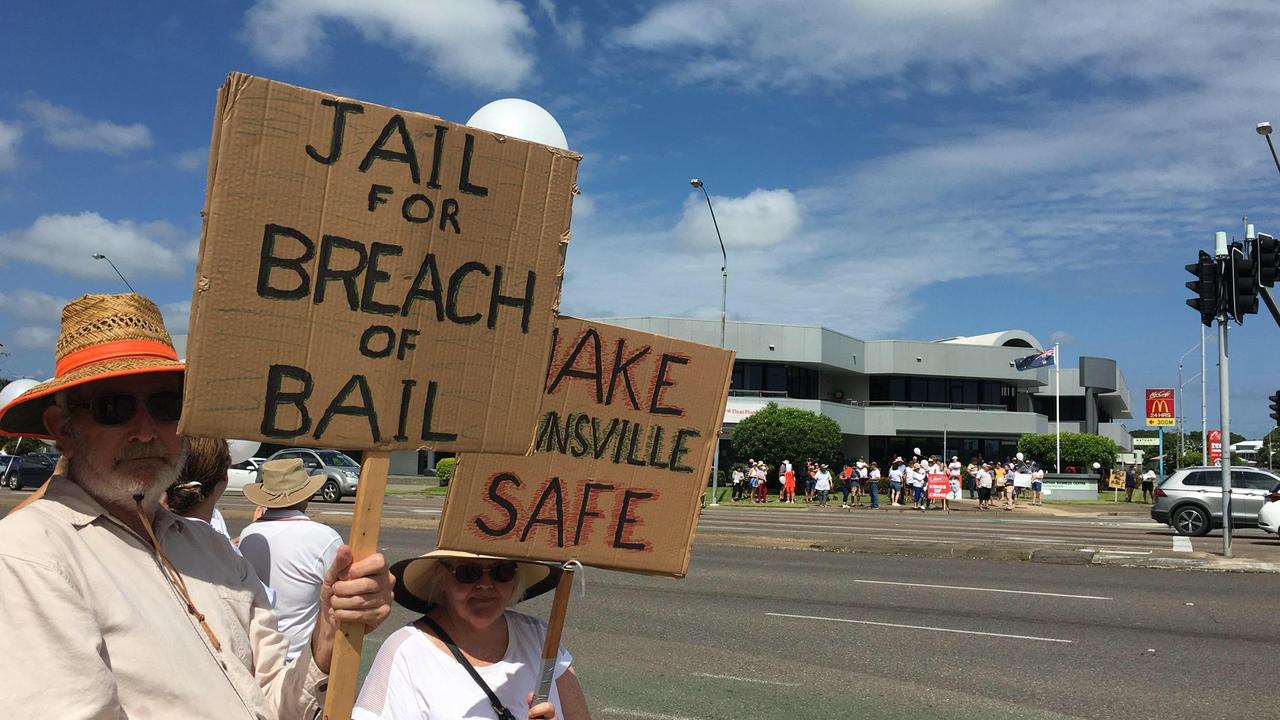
(1224, 406)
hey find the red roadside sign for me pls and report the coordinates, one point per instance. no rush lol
(938, 486)
(1215, 446)
(1160, 410)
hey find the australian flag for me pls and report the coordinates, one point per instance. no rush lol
(1035, 361)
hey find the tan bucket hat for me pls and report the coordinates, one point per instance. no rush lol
(411, 576)
(102, 336)
(284, 483)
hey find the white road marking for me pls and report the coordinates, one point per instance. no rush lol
(1123, 552)
(424, 512)
(337, 512)
(982, 589)
(647, 715)
(1181, 543)
(746, 679)
(921, 627)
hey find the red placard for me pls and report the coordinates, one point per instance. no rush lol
(1215, 446)
(938, 486)
(1160, 410)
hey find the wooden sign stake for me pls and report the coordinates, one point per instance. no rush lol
(555, 625)
(345, 666)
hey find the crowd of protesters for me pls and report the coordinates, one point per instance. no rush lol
(1003, 484)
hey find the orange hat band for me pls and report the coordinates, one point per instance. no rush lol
(113, 351)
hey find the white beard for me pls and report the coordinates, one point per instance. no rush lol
(114, 488)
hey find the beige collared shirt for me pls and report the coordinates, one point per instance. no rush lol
(100, 632)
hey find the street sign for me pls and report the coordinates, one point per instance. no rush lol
(1160, 411)
(1146, 442)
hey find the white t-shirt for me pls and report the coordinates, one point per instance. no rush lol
(822, 481)
(917, 477)
(954, 469)
(291, 552)
(984, 479)
(412, 679)
(895, 474)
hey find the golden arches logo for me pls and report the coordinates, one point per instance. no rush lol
(1159, 407)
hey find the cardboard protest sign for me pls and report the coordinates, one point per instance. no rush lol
(938, 486)
(621, 459)
(1022, 480)
(372, 278)
(1115, 480)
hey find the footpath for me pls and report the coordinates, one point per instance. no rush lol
(1252, 552)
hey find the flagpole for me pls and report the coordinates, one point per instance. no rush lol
(1057, 408)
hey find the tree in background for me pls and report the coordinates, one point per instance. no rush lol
(444, 470)
(776, 433)
(1080, 450)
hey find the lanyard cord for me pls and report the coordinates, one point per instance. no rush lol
(174, 577)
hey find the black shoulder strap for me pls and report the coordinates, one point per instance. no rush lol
(501, 710)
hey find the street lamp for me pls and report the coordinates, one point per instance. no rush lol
(724, 304)
(1182, 449)
(100, 256)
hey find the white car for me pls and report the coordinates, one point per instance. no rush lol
(1269, 515)
(243, 473)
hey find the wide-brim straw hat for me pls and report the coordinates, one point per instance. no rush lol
(102, 336)
(411, 575)
(284, 483)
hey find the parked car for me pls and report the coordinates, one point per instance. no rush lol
(1269, 515)
(343, 472)
(1190, 500)
(243, 473)
(29, 471)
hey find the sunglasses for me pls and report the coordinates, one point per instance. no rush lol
(470, 573)
(164, 406)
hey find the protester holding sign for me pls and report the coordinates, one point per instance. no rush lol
(114, 606)
(467, 651)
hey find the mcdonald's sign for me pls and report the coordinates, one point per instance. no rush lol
(1160, 410)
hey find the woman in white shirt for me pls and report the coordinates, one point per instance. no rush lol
(464, 598)
(822, 484)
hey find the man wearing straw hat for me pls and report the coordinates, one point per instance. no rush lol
(289, 551)
(115, 607)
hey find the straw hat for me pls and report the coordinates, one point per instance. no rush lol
(102, 336)
(413, 577)
(284, 483)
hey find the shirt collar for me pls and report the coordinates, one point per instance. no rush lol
(282, 514)
(73, 504)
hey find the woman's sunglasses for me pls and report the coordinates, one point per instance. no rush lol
(165, 407)
(469, 573)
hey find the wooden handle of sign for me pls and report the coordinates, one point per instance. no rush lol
(551, 646)
(341, 695)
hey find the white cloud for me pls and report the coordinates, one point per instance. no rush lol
(35, 338)
(64, 128)
(176, 316)
(943, 47)
(10, 136)
(1062, 337)
(192, 160)
(66, 243)
(763, 218)
(569, 30)
(31, 305)
(480, 42)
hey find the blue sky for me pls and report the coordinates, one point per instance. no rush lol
(886, 168)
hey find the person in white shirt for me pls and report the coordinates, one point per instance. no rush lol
(287, 549)
(194, 495)
(984, 483)
(1148, 485)
(896, 472)
(822, 485)
(916, 477)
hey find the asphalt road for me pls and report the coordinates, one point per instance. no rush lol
(762, 633)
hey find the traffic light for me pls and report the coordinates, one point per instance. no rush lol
(1242, 283)
(1275, 407)
(1266, 253)
(1205, 286)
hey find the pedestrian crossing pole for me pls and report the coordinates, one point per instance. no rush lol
(1224, 398)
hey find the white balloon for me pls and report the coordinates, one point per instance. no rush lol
(916, 451)
(10, 392)
(520, 119)
(242, 450)
(1097, 466)
(1019, 456)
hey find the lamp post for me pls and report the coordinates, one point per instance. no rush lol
(100, 256)
(724, 304)
(1182, 397)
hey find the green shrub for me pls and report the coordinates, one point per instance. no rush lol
(444, 470)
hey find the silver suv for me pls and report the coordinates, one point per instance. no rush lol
(343, 472)
(1190, 500)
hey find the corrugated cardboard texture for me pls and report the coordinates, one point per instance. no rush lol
(364, 276)
(622, 456)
